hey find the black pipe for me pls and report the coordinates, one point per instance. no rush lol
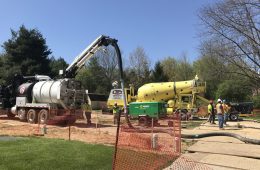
(113, 42)
(203, 135)
(197, 136)
(119, 58)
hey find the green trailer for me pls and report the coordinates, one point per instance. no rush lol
(147, 111)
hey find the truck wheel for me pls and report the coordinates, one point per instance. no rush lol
(43, 116)
(143, 121)
(32, 116)
(22, 114)
(233, 117)
(184, 116)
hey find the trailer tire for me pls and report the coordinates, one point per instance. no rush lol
(22, 114)
(32, 116)
(143, 121)
(43, 116)
(184, 115)
(233, 117)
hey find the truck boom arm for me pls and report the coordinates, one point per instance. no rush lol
(85, 55)
(80, 60)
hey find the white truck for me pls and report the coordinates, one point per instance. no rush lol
(41, 99)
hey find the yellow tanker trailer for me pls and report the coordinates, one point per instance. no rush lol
(183, 95)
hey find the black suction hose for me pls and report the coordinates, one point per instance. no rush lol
(197, 136)
(203, 135)
(120, 65)
(119, 59)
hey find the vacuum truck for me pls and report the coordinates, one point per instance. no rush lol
(39, 98)
(42, 100)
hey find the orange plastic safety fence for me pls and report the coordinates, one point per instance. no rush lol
(144, 151)
(148, 148)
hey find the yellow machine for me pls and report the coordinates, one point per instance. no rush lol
(183, 95)
(116, 96)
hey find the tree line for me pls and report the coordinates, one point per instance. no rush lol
(27, 53)
(229, 58)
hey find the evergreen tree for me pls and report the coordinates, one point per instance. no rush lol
(25, 53)
(158, 74)
(56, 65)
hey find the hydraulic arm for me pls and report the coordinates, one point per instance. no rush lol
(86, 54)
(80, 60)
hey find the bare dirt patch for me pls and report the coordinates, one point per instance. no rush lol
(103, 132)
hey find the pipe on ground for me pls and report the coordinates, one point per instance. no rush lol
(203, 135)
(197, 136)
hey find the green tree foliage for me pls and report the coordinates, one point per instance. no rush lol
(100, 71)
(178, 70)
(56, 65)
(158, 74)
(91, 76)
(184, 69)
(169, 66)
(218, 74)
(256, 100)
(233, 30)
(211, 69)
(233, 90)
(25, 53)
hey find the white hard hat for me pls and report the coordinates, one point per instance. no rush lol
(219, 100)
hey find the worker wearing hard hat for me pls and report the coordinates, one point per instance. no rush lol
(226, 110)
(115, 112)
(220, 113)
(211, 112)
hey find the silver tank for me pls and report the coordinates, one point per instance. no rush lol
(65, 92)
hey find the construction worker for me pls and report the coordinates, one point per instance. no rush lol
(87, 112)
(220, 113)
(116, 111)
(211, 112)
(226, 110)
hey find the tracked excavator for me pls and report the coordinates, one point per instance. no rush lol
(41, 99)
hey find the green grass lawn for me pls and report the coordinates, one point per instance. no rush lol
(45, 154)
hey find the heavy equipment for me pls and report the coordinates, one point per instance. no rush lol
(39, 98)
(240, 109)
(185, 96)
(147, 112)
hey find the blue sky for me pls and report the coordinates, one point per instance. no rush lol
(163, 27)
